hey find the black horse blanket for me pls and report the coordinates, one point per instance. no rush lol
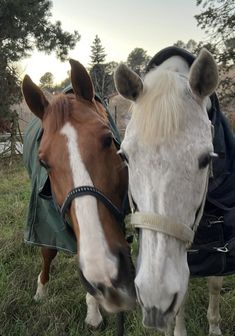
(45, 226)
(213, 250)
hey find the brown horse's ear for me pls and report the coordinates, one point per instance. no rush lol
(34, 97)
(81, 81)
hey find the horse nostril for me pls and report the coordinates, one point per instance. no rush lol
(172, 305)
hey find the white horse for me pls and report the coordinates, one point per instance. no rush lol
(168, 134)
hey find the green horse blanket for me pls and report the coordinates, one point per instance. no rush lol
(45, 226)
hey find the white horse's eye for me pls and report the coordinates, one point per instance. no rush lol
(204, 160)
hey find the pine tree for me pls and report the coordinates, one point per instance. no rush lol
(97, 52)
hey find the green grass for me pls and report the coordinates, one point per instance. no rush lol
(63, 313)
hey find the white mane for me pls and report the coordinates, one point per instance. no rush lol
(158, 112)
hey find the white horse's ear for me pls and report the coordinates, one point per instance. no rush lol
(128, 83)
(203, 75)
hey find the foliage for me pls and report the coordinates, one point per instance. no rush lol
(194, 47)
(138, 60)
(63, 312)
(25, 25)
(46, 81)
(191, 45)
(218, 20)
(9, 88)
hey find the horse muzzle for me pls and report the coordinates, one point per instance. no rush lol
(154, 318)
(113, 299)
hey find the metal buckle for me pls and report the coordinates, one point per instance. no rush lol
(223, 249)
(219, 220)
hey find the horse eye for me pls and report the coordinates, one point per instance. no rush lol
(204, 160)
(107, 141)
(44, 164)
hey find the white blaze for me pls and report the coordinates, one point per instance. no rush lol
(97, 263)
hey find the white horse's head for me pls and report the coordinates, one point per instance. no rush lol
(168, 136)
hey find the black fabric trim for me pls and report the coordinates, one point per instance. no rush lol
(168, 52)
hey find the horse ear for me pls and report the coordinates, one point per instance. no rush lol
(203, 75)
(34, 97)
(81, 81)
(128, 83)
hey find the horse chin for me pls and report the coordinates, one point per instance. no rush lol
(155, 319)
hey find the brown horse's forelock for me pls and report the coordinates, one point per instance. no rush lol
(63, 107)
(59, 110)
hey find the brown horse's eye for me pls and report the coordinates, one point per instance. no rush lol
(107, 141)
(44, 164)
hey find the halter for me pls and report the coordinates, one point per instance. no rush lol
(91, 191)
(167, 225)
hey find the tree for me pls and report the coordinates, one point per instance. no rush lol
(102, 77)
(24, 26)
(101, 72)
(191, 45)
(9, 88)
(180, 44)
(194, 47)
(138, 60)
(218, 21)
(97, 52)
(46, 81)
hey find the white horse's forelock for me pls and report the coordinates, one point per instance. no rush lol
(158, 112)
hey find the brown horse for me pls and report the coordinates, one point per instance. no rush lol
(77, 149)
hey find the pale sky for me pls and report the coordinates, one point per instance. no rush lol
(121, 25)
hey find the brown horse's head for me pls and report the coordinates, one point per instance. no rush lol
(77, 149)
